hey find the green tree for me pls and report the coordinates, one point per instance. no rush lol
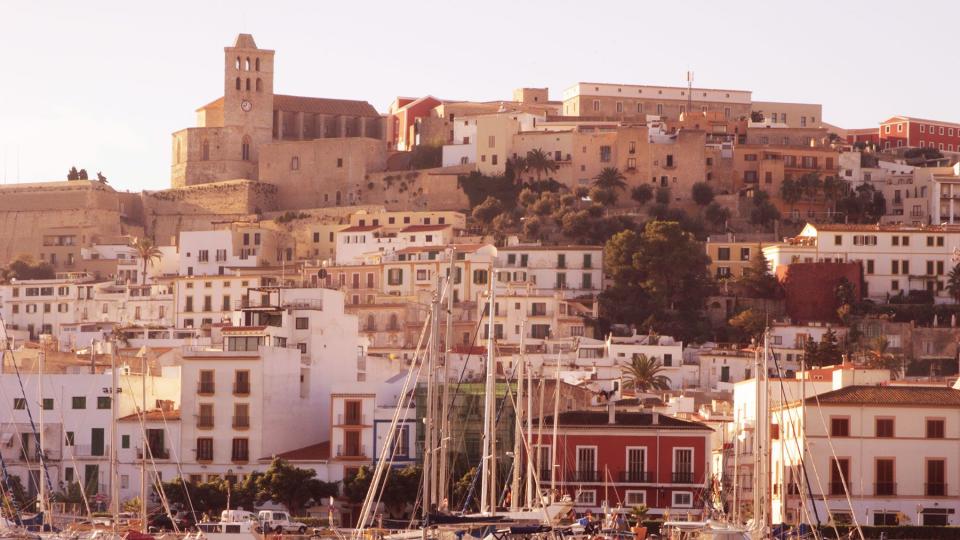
(400, 483)
(751, 323)
(660, 272)
(101, 178)
(610, 178)
(528, 197)
(533, 227)
(763, 212)
(644, 374)
(702, 193)
(879, 356)
(293, 487)
(953, 283)
(604, 196)
(828, 350)
(716, 214)
(355, 487)
(663, 195)
(810, 186)
(487, 211)
(73, 173)
(147, 252)
(539, 162)
(790, 191)
(642, 194)
(757, 281)
(515, 168)
(71, 494)
(426, 156)
(25, 267)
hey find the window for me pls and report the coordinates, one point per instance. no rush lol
(103, 402)
(480, 277)
(840, 427)
(303, 323)
(636, 498)
(839, 475)
(79, 402)
(540, 331)
(885, 477)
(587, 497)
(205, 417)
(206, 384)
(838, 240)
(295, 163)
(125, 441)
(936, 478)
(682, 499)
(240, 450)
(395, 276)
(586, 464)
(683, 465)
(723, 254)
(19, 404)
(204, 449)
(605, 154)
(637, 465)
(884, 427)
(241, 382)
(69, 439)
(935, 428)
(744, 254)
(48, 404)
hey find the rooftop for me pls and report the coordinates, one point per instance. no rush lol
(315, 452)
(890, 395)
(599, 419)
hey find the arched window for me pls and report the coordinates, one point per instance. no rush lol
(248, 84)
(238, 83)
(371, 323)
(257, 63)
(245, 149)
(237, 64)
(205, 152)
(393, 321)
(248, 64)
(259, 85)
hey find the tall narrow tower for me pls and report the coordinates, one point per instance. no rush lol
(247, 100)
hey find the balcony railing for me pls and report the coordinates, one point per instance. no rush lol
(241, 388)
(206, 388)
(351, 420)
(86, 450)
(351, 451)
(583, 476)
(885, 488)
(205, 422)
(155, 453)
(935, 489)
(644, 477)
(241, 422)
(836, 488)
(683, 477)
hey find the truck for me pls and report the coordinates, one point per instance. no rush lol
(279, 522)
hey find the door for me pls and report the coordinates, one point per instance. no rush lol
(96, 442)
(91, 479)
(155, 440)
(637, 465)
(725, 374)
(586, 464)
(683, 465)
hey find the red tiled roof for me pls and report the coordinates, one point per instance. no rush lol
(894, 119)
(424, 228)
(315, 452)
(851, 227)
(344, 107)
(625, 419)
(890, 395)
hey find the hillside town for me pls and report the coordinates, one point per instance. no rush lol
(681, 303)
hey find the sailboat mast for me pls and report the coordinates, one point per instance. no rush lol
(488, 480)
(42, 498)
(429, 426)
(114, 485)
(444, 481)
(143, 461)
(518, 427)
(757, 460)
(531, 451)
(553, 436)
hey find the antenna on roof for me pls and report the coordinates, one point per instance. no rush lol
(689, 91)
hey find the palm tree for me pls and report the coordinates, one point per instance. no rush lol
(539, 161)
(953, 283)
(147, 252)
(879, 356)
(643, 374)
(610, 178)
(517, 167)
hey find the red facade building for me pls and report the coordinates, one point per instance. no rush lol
(629, 458)
(905, 131)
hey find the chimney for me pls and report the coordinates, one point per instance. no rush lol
(655, 420)
(611, 412)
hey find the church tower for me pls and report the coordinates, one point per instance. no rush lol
(247, 101)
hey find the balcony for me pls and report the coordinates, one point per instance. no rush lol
(885, 488)
(89, 451)
(352, 420)
(350, 451)
(205, 422)
(241, 388)
(935, 489)
(206, 388)
(583, 476)
(637, 477)
(684, 477)
(837, 488)
(155, 453)
(241, 422)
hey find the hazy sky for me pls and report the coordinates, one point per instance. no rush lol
(103, 84)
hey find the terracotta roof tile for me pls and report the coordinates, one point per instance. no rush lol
(154, 415)
(599, 419)
(890, 395)
(424, 228)
(315, 452)
(345, 107)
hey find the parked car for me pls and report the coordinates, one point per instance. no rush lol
(279, 521)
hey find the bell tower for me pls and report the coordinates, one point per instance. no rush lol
(247, 99)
